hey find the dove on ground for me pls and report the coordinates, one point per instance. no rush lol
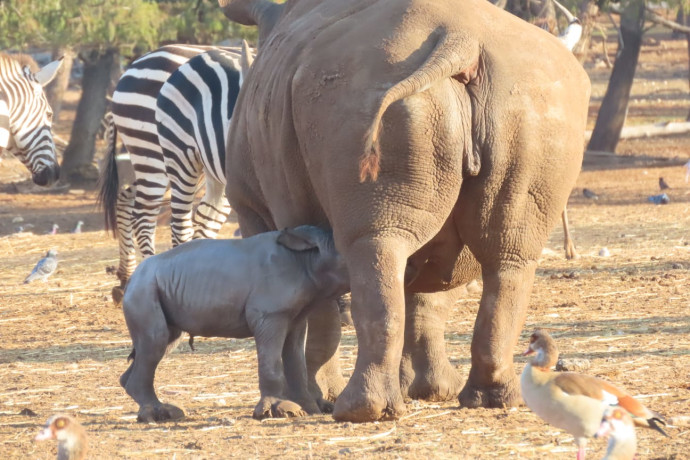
(662, 184)
(77, 229)
(687, 171)
(589, 194)
(54, 229)
(44, 268)
(659, 199)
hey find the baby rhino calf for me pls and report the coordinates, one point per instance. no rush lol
(262, 286)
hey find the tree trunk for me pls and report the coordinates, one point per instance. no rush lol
(687, 37)
(55, 91)
(614, 106)
(77, 163)
(684, 18)
(680, 19)
(588, 18)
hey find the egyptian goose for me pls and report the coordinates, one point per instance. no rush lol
(571, 401)
(618, 426)
(71, 437)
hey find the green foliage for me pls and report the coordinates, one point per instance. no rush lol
(201, 22)
(85, 24)
(128, 26)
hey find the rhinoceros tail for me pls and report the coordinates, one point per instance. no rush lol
(454, 56)
(109, 186)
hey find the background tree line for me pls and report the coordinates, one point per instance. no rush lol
(107, 34)
(104, 35)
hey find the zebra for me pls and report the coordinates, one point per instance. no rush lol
(193, 112)
(26, 118)
(132, 210)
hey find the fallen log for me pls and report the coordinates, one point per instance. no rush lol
(657, 129)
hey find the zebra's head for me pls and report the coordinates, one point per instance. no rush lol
(26, 118)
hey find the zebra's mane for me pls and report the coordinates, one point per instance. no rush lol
(22, 59)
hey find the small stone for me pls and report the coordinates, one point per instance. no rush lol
(473, 287)
(573, 365)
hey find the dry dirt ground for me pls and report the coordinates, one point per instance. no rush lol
(64, 344)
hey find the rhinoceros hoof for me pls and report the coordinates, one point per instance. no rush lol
(441, 383)
(354, 405)
(495, 396)
(161, 413)
(117, 294)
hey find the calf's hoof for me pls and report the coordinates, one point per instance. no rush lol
(494, 396)
(277, 408)
(325, 406)
(161, 413)
(117, 294)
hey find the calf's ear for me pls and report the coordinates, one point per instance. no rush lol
(297, 239)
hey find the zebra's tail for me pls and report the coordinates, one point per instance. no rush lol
(109, 186)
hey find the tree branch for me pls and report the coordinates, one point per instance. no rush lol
(655, 18)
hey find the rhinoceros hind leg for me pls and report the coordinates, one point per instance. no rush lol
(425, 372)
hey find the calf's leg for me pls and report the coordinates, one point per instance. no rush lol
(151, 337)
(323, 366)
(270, 335)
(295, 368)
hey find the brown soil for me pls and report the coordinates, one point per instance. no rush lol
(65, 344)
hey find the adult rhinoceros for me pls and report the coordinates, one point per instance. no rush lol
(431, 135)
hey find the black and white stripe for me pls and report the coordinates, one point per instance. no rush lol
(133, 211)
(192, 115)
(26, 118)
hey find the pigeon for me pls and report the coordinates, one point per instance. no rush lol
(77, 229)
(659, 199)
(54, 230)
(589, 194)
(44, 268)
(687, 171)
(70, 435)
(662, 184)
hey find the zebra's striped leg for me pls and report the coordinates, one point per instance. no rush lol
(147, 204)
(212, 211)
(125, 208)
(184, 180)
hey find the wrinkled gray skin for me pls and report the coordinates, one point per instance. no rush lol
(437, 138)
(263, 286)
